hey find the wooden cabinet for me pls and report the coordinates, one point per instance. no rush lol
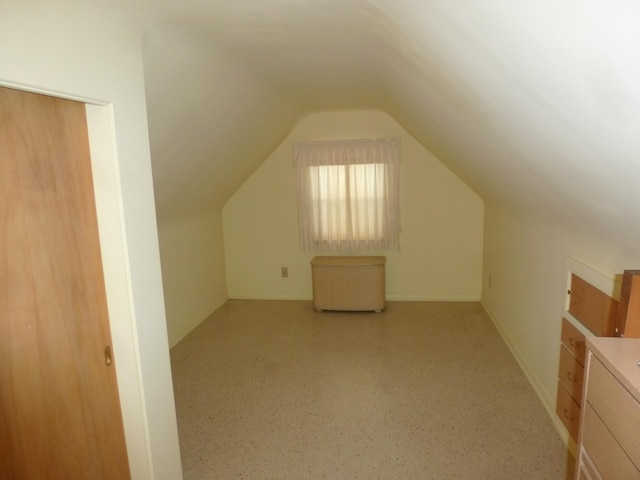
(628, 318)
(570, 377)
(590, 312)
(573, 340)
(595, 309)
(609, 442)
(571, 374)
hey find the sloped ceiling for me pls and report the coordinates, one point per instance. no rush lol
(535, 104)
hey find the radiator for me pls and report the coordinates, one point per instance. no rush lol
(348, 283)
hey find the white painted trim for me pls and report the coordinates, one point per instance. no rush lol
(608, 285)
(187, 329)
(420, 297)
(390, 297)
(51, 93)
(268, 296)
(109, 208)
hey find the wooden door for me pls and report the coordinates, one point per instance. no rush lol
(592, 307)
(59, 409)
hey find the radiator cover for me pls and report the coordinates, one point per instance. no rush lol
(348, 283)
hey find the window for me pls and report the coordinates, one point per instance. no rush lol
(348, 194)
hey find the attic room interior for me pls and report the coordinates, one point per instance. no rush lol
(519, 169)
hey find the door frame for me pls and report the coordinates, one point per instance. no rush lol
(111, 229)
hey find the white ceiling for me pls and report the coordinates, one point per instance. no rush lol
(536, 104)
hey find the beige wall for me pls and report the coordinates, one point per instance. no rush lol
(442, 219)
(193, 271)
(526, 259)
(81, 51)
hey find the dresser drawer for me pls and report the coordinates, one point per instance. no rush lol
(587, 471)
(616, 407)
(571, 374)
(568, 411)
(574, 340)
(609, 459)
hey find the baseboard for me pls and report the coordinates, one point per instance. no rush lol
(547, 401)
(269, 296)
(187, 329)
(390, 297)
(419, 297)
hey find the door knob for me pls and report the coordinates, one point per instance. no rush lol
(108, 358)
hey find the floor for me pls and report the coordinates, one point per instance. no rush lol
(423, 390)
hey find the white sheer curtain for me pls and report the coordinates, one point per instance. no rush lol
(348, 194)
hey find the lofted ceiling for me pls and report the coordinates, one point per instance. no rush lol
(532, 104)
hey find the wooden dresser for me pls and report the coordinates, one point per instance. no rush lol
(609, 441)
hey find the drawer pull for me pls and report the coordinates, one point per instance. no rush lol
(567, 416)
(571, 377)
(573, 343)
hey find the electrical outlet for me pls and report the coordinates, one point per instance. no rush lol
(490, 281)
(284, 271)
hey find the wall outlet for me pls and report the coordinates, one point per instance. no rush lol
(284, 271)
(490, 281)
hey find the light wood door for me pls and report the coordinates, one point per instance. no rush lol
(59, 410)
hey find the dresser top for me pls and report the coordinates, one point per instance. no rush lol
(621, 356)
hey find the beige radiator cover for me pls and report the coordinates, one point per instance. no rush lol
(349, 283)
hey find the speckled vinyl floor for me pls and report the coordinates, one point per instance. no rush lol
(424, 390)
